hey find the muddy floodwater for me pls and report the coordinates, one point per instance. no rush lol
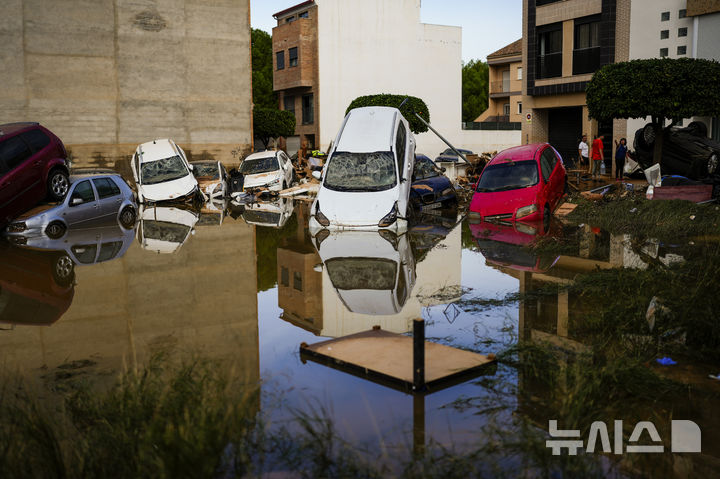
(246, 285)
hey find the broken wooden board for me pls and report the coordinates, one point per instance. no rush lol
(307, 188)
(387, 358)
(695, 193)
(565, 209)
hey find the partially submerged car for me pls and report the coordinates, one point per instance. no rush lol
(430, 187)
(162, 173)
(93, 200)
(273, 214)
(372, 272)
(33, 166)
(164, 229)
(366, 179)
(523, 183)
(267, 169)
(685, 151)
(212, 178)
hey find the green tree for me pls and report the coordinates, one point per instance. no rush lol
(262, 69)
(663, 89)
(475, 76)
(412, 105)
(271, 123)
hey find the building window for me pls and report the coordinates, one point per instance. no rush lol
(519, 76)
(308, 116)
(293, 56)
(290, 19)
(682, 50)
(519, 108)
(506, 109)
(506, 81)
(280, 60)
(682, 32)
(586, 55)
(663, 52)
(303, 15)
(549, 47)
(664, 16)
(297, 281)
(545, 2)
(664, 34)
(284, 276)
(682, 13)
(289, 104)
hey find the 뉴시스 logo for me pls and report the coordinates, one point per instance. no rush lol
(685, 437)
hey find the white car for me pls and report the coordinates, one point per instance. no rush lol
(164, 229)
(267, 169)
(366, 180)
(162, 172)
(273, 214)
(372, 272)
(212, 178)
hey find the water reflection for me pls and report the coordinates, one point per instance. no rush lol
(164, 229)
(273, 214)
(507, 245)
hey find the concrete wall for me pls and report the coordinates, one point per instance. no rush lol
(380, 46)
(708, 38)
(116, 73)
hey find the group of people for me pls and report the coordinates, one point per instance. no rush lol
(596, 154)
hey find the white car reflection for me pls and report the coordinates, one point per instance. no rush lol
(372, 272)
(273, 214)
(212, 213)
(164, 229)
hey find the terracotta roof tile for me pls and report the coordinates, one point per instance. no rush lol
(515, 48)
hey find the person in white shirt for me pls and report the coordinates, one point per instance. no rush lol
(583, 151)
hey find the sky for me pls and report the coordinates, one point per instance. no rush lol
(487, 25)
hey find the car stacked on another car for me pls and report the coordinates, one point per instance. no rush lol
(162, 173)
(212, 178)
(33, 166)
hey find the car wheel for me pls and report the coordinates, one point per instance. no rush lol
(55, 230)
(63, 270)
(127, 217)
(712, 164)
(58, 185)
(647, 139)
(546, 217)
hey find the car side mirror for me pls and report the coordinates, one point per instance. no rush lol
(76, 201)
(192, 168)
(317, 175)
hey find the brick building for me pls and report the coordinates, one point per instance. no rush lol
(504, 85)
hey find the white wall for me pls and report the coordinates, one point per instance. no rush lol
(380, 46)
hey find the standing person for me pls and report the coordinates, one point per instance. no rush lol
(597, 155)
(583, 152)
(621, 152)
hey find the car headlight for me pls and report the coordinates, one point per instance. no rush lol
(18, 227)
(526, 211)
(712, 164)
(321, 218)
(389, 218)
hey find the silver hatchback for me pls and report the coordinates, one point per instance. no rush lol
(92, 201)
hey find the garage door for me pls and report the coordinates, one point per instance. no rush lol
(565, 131)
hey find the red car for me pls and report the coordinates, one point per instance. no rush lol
(32, 166)
(524, 183)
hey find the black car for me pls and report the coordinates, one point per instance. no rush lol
(450, 155)
(430, 186)
(685, 151)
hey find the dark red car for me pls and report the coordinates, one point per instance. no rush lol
(33, 166)
(523, 183)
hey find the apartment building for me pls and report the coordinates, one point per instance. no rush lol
(504, 85)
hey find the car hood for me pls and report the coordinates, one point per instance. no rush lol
(38, 210)
(169, 190)
(434, 184)
(261, 179)
(344, 208)
(503, 202)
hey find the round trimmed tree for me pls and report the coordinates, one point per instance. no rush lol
(412, 105)
(271, 123)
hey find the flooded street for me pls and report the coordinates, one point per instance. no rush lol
(247, 285)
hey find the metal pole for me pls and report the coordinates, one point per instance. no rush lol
(418, 355)
(441, 137)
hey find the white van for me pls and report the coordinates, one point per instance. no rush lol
(365, 183)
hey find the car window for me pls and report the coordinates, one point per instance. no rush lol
(37, 139)
(510, 175)
(424, 168)
(109, 250)
(400, 146)
(85, 254)
(13, 153)
(259, 165)
(83, 191)
(106, 188)
(547, 163)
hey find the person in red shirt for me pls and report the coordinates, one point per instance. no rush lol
(597, 155)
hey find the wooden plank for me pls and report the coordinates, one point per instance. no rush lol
(390, 356)
(565, 209)
(695, 193)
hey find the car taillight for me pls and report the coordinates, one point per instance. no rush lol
(321, 218)
(389, 218)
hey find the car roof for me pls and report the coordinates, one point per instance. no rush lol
(75, 177)
(262, 154)
(9, 128)
(517, 153)
(157, 149)
(368, 129)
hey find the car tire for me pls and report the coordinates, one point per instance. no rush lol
(647, 138)
(58, 184)
(63, 270)
(546, 217)
(127, 217)
(55, 230)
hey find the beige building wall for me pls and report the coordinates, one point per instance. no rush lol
(106, 75)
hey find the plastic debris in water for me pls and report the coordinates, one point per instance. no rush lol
(633, 210)
(692, 217)
(666, 361)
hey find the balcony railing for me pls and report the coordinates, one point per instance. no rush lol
(549, 65)
(500, 86)
(586, 60)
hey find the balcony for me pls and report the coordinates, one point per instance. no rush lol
(586, 60)
(500, 86)
(549, 65)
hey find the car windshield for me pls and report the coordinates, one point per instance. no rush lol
(362, 273)
(425, 168)
(159, 171)
(508, 176)
(361, 171)
(259, 165)
(209, 170)
(165, 231)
